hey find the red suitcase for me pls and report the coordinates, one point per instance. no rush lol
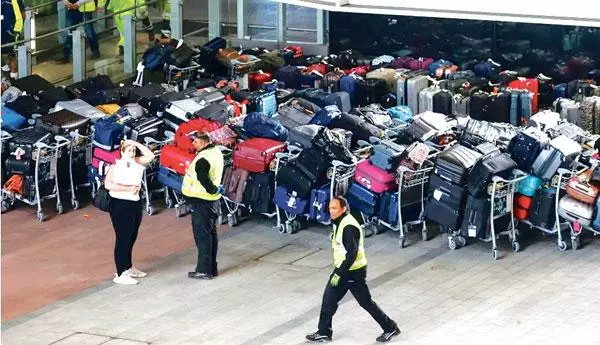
(175, 159)
(298, 51)
(101, 166)
(521, 213)
(524, 201)
(109, 157)
(182, 139)
(373, 178)
(318, 67)
(532, 85)
(256, 154)
(256, 80)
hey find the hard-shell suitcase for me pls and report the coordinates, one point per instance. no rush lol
(362, 200)
(53, 95)
(302, 136)
(478, 106)
(495, 165)
(256, 154)
(289, 201)
(439, 210)
(455, 163)
(32, 84)
(236, 184)
(266, 103)
(82, 108)
(207, 95)
(531, 85)
(170, 178)
(408, 88)
(525, 147)
(259, 192)
(180, 111)
(182, 135)
(460, 105)
(148, 127)
(436, 182)
(63, 122)
(575, 211)
(26, 139)
(426, 98)
(529, 185)
(217, 112)
(545, 120)
(476, 220)
(386, 155)
(580, 189)
(19, 166)
(296, 180)
(109, 157)
(371, 91)
(374, 178)
(175, 159)
(388, 208)
(547, 163)
(543, 212)
(442, 102)
(318, 207)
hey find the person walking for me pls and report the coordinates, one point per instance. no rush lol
(13, 16)
(78, 12)
(350, 273)
(123, 181)
(140, 13)
(202, 188)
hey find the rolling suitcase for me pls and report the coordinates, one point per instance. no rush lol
(543, 213)
(374, 178)
(302, 136)
(109, 157)
(53, 95)
(529, 185)
(289, 201)
(296, 180)
(256, 154)
(525, 147)
(259, 192)
(575, 211)
(32, 84)
(442, 102)
(408, 89)
(82, 108)
(388, 208)
(495, 165)
(170, 178)
(476, 220)
(318, 207)
(290, 76)
(386, 155)
(63, 122)
(426, 98)
(362, 200)
(11, 120)
(371, 91)
(175, 159)
(147, 127)
(180, 111)
(579, 188)
(26, 139)
(108, 133)
(455, 163)
(19, 166)
(236, 184)
(444, 210)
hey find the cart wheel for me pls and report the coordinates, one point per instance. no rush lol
(403, 243)
(177, 211)
(495, 254)
(75, 204)
(149, 210)
(368, 229)
(281, 228)
(5, 206)
(232, 219)
(169, 203)
(452, 243)
(562, 246)
(575, 243)
(461, 241)
(59, 208)
(40, 216)
(516, 247)
(296, 226)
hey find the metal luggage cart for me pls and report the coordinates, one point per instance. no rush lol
(501, 204)
(179, 76)
(292, 224)
(80, 144)
(575, 228)
(407, 180)
(151, 171)
(48, 156)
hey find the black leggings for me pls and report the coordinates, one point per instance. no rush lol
(126, 217)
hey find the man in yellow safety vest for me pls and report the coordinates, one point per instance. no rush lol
(141, 12)
(202, 188)
(13, 15)
(350, 273)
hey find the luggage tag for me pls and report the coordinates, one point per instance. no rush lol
(437, 194)
(472, 230)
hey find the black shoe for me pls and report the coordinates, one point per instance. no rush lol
(318, 338)
(387, 336)
(95, 55)
(199, 275)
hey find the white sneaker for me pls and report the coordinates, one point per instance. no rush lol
(124, 279)
(135, 273)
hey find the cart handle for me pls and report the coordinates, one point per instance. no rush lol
(337, 163)
(60, 139)
(75, 135)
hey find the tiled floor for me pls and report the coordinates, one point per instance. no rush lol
(270, 288)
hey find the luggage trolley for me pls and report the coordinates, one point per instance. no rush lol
(575, 228)
(80, 145)
(46, 155)
(150, 173)
(234, 209)
(291, 224)
(501, 203)
(180, 76)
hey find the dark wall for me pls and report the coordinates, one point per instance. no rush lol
(529, 48)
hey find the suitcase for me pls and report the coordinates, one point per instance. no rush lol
(94, 177)
(100, 166)
(11, 120)
(529, 185)
(421, 63)
(525, 147)
(442, 102)
(302, 136)
(182, 139)
(386, 155)
(362, 200)
(109, 157)
(146, 127)
(444, 210)
(175, 159)
(313, 163)
(296, 180)
(180, 111)
(426, 98)
(460, 105)
(596, 221)
(157, 104)
(331, 80)
(547, 163)
(479, 106)
(266, 103)
(234, 181)
(575, 211)
(476, 220)
(374, 178)
(207, 95)
(371, 91)
(289, 201)
(401, 112)
(26, 139)
(290, 76)
(494, 165)
(63, 122)
(27, 105)
(455, 163)
(82, 108)
(170, 179)
(545, 120)
(259, 192)
(523, 201)
(53, 95)
(349, 84)
(217, 112)
(408, 89)
(318, 207)
(388, 208)
(542, 212)
(499, 107)
(256, 80)
(256, 154)
(19, 166)
(532, 85)
(32, 84)
(579, 188)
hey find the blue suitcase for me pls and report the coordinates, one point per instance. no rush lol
(318, 208)
(290, 75)
(310, 81)
(289, 202)
(386, 155)
(529, 185)
(559, 91)
(349, 84)
(362, 200)
(401, 112)
(388, 209)
(11, 120)
(170, 179)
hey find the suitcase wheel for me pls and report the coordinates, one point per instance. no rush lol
(75, 204)
(40, 216)
(232, 219)
(562, 246)
(516, 246)
(5, 206)
(149, 210)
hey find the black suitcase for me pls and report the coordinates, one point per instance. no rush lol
(28, 105)
(295, 179)
(63, 122)
(259, 192)
(313, 163)
(32, 84)
(52, 96)
(99, 82)
(499, 108)
(102, 96)
(371, 91)
(302, 136)
(142, 94)
(446, 214)
(442, 102)
(182, 56)
(151, 127)
(478, 106)
(499, 164)
(159, 102)
(437, 182)
(543, 212)
(20, 166)
(46, 187)
(217, 112)
(361, 129)
(455, 163)
(26, 139)
(524, 149)
(476, 220)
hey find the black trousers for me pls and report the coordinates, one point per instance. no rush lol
(356, 283)
(126, 217)
(204, 226)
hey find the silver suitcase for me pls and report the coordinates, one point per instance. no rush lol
(460, 106)
(575, 211)
(408, 89)
(426, 98)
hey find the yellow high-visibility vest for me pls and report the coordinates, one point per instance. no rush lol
(192, 187)
(18, 16)
(339, 251)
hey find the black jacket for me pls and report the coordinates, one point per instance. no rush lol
(202, 169)
(350, 239)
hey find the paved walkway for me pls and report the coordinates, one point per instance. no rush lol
(270, 288)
